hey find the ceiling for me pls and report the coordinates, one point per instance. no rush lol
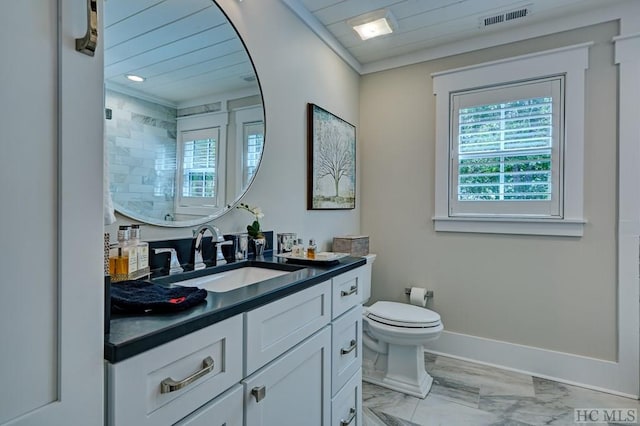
(185, 49)
(424, 25)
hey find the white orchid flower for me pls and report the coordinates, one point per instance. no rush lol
(257, 212)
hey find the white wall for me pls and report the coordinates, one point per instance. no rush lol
(294, 68)
(555, 293)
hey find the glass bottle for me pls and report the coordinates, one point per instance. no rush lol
(127, 250)
(311, 249)
(120, 261)
(298, 249)
(142, 251)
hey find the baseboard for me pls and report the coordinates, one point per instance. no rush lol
(600, 375)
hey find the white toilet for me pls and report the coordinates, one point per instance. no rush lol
(393, 335)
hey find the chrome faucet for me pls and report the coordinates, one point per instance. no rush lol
(217, 240)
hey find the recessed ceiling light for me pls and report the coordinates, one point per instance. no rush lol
(373, 24)
(135, 78)
(373, 29)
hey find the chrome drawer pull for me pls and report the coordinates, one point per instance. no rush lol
(352, 415)
(170, 385)
(353, 289)
(353, 344)
(259, 393)
(88, 43)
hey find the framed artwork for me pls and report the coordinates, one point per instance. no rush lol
(331, 168)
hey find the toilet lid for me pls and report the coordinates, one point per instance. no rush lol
(402, 314)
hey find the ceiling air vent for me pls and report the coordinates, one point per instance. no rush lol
(515, 14)
(502, 17)
(496, 19)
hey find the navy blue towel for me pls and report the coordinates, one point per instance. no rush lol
(138, 296)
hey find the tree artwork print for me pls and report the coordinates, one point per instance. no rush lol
(332, 161)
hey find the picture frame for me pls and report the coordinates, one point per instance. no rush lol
(331, 161)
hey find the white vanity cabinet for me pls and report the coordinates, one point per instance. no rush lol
(294, 361)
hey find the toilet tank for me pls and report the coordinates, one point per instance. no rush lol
(366, 284)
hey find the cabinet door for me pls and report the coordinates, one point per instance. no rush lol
(225, 410)
(51, 309)
(294, 389)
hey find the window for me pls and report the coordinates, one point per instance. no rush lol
(509, 145)
(199, 171)
(199, 168)
(249, 140)
(506, 150)
(253, 137)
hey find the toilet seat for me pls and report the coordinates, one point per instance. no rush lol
(403, 315)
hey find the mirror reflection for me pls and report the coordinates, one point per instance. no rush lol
(185, 120)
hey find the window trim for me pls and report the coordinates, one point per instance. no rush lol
(571, 61)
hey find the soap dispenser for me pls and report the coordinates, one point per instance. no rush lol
(142, 251)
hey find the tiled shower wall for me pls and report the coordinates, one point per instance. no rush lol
(142, 154)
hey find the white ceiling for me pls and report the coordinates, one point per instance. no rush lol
(185, 49)
(424, 24)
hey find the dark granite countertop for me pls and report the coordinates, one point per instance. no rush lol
(133, 334)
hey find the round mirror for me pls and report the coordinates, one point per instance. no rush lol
(184, 128)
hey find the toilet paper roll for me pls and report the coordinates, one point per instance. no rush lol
(418, 296)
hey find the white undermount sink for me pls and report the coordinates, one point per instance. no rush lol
(233, 279)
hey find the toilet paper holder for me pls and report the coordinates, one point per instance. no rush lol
(428, 294)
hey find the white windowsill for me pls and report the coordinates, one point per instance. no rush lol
(502, 225)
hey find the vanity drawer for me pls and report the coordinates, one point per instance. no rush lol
(346, 347)
(346, 406)
(225, 410)
(141, 390)
(346, 291)
(273, 329)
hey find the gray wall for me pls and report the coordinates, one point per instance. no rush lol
(555, 293)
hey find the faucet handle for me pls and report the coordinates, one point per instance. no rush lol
(174, 265)
(220, 260)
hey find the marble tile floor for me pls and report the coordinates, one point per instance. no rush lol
(469, 394)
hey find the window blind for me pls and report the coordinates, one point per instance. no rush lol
(505, 151)
(199, 168)
(254, 140)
